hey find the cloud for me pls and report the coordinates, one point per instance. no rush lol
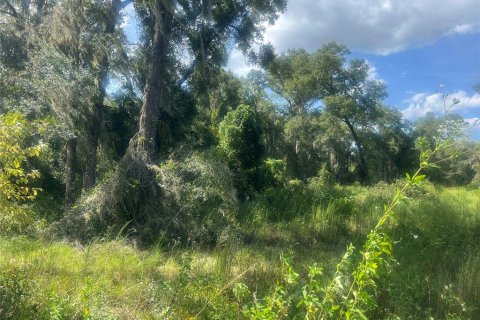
(421, 103)
(374, 26)
(373, 73)
(126, 20)
(473, 122)
(237, 64)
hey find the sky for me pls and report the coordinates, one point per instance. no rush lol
(421, 48)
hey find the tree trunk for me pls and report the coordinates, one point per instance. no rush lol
(144, 145)
(90, 154)
(97, 120)
(70, 171)
(364, 175)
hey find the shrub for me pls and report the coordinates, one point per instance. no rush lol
(199, 199)
(15, 290)
(15, 177)
(241, 146)
(189, 201)
(240, 137)
(277, 168)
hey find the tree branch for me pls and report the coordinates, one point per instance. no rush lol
(13, 12)
(217, 30)
(5, 12)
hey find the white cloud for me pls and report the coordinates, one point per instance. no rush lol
(421, 103)
(237, 63)
(376, 26)
(473, 122)
(126, 20)
(373, 74)
(464, 28)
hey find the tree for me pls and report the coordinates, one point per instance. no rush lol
(19, 21)
(325, 78)
(241, 144)
(291, 76)
(108, 20)
(202, 29)
(205, 27)
(391, 145)
(458, 162)
(20, 18)
(354, 99)
(70, 63)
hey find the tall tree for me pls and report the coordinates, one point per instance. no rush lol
(108, 20)
(199, 29)
(71, 64)
(325, 78)
(203, 29)
(459, 161)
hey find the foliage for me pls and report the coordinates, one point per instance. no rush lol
(14, 179)
(240, 143)
(236, 172)
(199, 200)
(15, 176)
(295, 200)
(458, 162)
(277, 169)
(195, 204)
(240, 137)
(353, 289)
(433, 275)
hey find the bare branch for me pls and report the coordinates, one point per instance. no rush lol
(5, 12)
(12, 12)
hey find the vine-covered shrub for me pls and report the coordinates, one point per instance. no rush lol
(192, 201)
(199, 199)
(242, 148)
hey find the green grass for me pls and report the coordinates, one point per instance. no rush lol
(437, 252)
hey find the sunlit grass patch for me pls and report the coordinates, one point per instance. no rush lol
(436, 250)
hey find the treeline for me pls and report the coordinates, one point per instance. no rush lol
(170, 100)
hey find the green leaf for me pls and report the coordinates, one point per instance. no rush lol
(419, 178)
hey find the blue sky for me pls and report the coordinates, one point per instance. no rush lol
(419, 49)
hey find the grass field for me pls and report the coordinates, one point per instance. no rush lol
(436, 274)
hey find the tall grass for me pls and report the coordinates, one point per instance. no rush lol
(436, 273)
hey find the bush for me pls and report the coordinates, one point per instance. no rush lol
(15, 291)
(241, 146)
(16, 148)
(295, 199)
(190, 201)
(199, 199)
(277, 168)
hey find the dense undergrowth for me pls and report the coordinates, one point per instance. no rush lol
(283, 234)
